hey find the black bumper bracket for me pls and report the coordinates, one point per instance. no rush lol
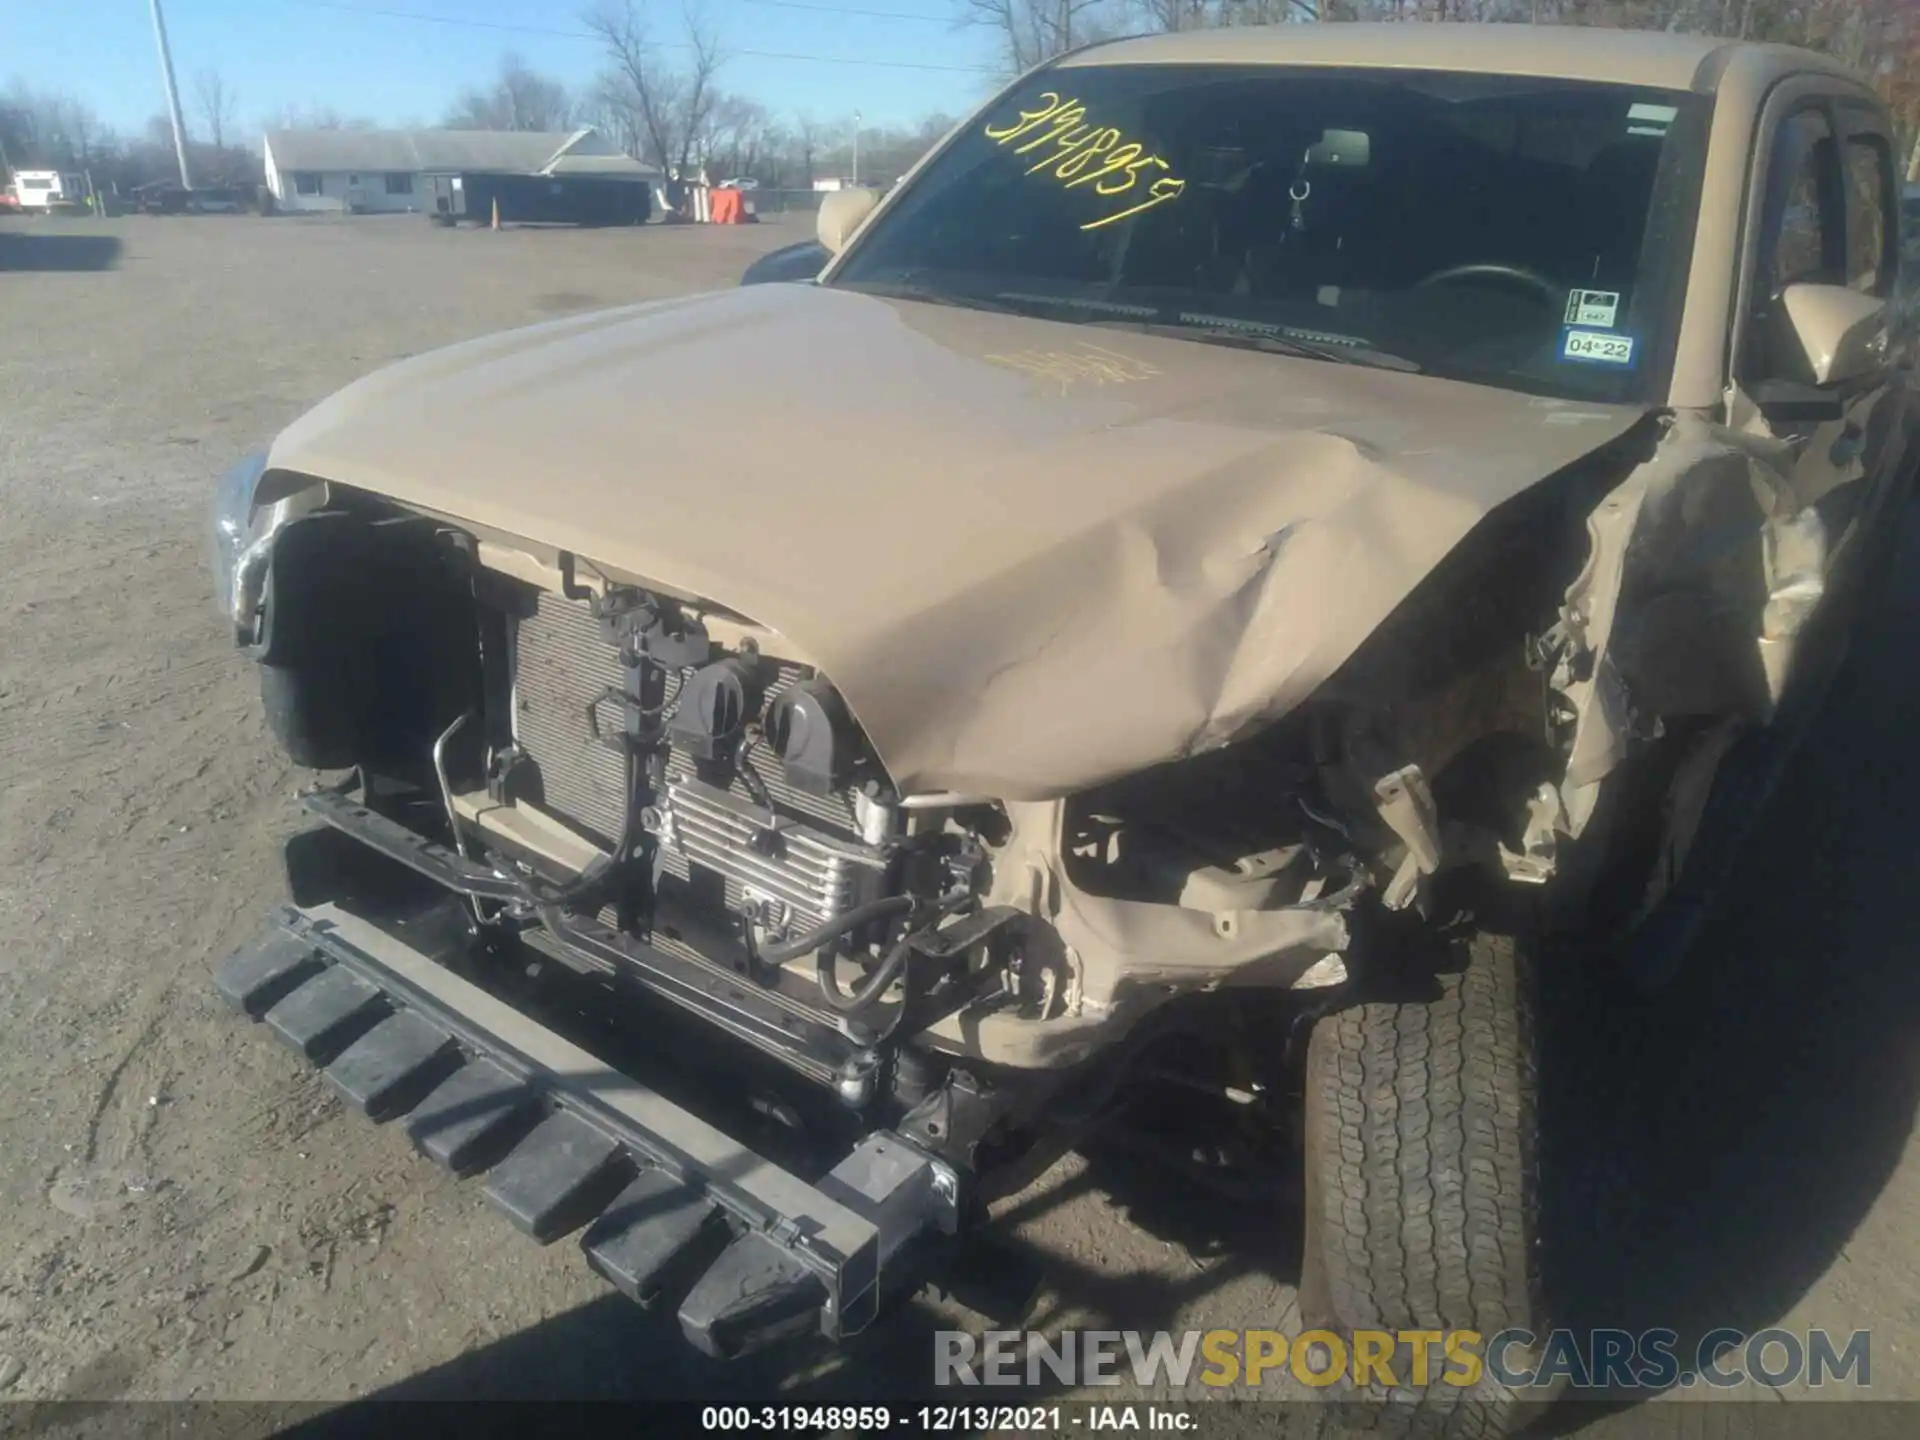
(673, 1206)
(655, 1236)
(392, 1067)
(473, 1117)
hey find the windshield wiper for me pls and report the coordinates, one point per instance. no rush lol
(904, 290)
(1271, 343)
(1221, 331)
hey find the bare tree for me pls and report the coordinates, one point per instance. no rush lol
(669, 106)
(48, 129)
(321, 117)
(806, 139)
(215, 100)
(1030, 31)
(520, 98)
(52, 131)
(1173, 15)
(704, 42)
(607, 108)
(736, 137)
(808, 146)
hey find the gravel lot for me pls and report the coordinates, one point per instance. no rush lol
(186, 1212)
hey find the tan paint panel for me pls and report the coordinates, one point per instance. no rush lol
(1635, 57)
(1657, 59)
(1024, 581)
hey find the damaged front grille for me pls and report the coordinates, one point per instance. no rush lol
(796, 866)
(562, 663)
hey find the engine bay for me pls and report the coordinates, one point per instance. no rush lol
(660, 791)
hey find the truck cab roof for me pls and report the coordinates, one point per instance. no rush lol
(1626, 57)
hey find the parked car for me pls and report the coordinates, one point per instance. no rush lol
(162, 197)
(1191, 613)
(743, 183)
(218, 201)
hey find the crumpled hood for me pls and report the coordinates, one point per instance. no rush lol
(1032, 555)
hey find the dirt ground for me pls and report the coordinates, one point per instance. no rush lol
(185, 1212)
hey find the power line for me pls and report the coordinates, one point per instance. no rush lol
(443, 20)
(467, 24)
(850, 10)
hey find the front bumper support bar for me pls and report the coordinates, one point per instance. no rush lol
(669, 1204)
(800, 1033)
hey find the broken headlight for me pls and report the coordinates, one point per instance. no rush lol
(248, 511)
(233, 525)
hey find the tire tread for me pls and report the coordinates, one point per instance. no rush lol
(1421, 1119)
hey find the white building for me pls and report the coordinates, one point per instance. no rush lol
(375, 170)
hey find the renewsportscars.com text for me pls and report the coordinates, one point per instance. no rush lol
(1389, 1360)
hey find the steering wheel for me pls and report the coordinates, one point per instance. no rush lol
(1548, 292)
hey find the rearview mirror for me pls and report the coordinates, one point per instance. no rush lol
(1842, 331)
(841, 213)
(1347, 149)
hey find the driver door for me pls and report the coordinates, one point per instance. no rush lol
(1826, 204)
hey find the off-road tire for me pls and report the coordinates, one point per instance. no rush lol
(1422, 1194)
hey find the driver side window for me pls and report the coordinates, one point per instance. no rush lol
(1802, 240)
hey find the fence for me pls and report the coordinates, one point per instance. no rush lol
(697, 204)
(780, 202)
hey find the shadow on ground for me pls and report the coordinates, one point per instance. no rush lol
(20, 251)
(1731, 1136)
(1723, 1142)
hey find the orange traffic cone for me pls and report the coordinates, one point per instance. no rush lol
(496, 214)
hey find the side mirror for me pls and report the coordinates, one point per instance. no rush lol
(1843, 332)
(799, 262)
(841, 213)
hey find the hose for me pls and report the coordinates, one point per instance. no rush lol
(870, 989)
(478, 910)
(630, 831)
(755, 785)
(813, 939)
(1356, 880)
(911, 983)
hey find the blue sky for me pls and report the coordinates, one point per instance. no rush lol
(347, 55)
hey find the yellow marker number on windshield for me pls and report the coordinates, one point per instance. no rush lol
(1080, 154)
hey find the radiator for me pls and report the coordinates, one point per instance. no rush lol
(562, 663)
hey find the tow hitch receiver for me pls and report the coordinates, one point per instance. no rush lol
(671, 1208)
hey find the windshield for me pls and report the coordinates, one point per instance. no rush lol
(1518, 232)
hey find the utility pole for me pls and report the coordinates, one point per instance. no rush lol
(856, 148)
(173, 96)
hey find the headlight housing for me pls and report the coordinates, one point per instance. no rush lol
(247, 515)
(233, 525)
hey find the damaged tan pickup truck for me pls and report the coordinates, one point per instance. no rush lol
(1243, 500)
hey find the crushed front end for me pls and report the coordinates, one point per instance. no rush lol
(656, 799)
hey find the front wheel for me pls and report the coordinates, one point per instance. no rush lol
(1422, 1195)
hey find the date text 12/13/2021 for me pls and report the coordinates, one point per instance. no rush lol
(944, 1419)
